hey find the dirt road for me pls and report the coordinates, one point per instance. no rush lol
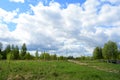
(96, 67)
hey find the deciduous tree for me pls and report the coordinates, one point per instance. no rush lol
(110, 50)
(97, 53)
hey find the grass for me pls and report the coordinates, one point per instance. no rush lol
(103, 65)
(54, 70)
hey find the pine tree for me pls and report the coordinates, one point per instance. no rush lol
(23, 51)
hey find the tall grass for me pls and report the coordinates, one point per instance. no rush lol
(52, 70)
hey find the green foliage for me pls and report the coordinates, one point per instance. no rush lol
(23, 51)
(16, 52)
(10, 56)
(97, 53)
(110, 50)
(45, 56)
(6, 51)
(28, 56)
(84, 58)
(62, 58)
(53, 57)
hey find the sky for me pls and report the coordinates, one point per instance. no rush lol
(62, 27)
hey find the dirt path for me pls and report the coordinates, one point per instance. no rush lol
(96, 67)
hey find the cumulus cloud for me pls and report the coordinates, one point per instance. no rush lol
(74, 30)
(22, 1)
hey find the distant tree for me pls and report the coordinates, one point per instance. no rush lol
(110, 50)
(53, 57)
(23, 51)
(16, 52)
(97, 53)
(37, 54)
(8, 48)
(6, 51)
(45, 56)
(70, 57)
(62, 58)
(28, 56)
(82, 57)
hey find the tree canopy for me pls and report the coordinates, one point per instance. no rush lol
(97, 53)
(110, 50)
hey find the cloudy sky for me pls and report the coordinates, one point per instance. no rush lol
(65, 27)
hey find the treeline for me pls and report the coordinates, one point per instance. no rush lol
(12, 52)
(109, 51)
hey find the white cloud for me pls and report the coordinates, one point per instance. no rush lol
(22, 1)
(76, 29)
(8, 16)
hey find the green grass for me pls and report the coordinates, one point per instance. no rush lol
(103, 65)
(52, 70)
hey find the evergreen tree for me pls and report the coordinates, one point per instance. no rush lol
(6, 51)
(23, 51)
(97, 53)
(16, 52)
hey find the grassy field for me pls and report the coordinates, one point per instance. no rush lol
(56, 70)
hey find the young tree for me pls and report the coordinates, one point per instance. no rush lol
(97, 53)
(110, 50)
(23, 50)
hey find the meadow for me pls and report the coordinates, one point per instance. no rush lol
(57, 70)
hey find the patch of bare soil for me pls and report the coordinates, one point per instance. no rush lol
(20, 77)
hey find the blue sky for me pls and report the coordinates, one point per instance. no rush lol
(9, 6)
(57, 26)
